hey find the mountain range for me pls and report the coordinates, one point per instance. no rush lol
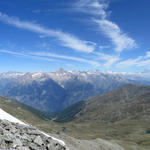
(55, 91)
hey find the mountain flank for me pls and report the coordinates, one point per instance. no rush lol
(24, 112)
(122, 114)
(127, 102)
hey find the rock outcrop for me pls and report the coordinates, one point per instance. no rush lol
(14, 136)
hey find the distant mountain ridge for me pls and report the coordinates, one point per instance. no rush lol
(54, 91)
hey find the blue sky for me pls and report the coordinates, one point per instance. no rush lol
(44, 35)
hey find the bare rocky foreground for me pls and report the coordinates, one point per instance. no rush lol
(14, 136)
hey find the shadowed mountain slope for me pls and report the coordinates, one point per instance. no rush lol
(127, 102)
(23, 112)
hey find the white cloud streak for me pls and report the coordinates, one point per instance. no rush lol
(47, 54)
(119, 39)
(21, 54)
(141, 61)
(109, 59)
(98, 8)
(48, 57)
(110, 62)
(129, 62)
(148, 54)
(91, 7)
(67, 40)
(104, 47)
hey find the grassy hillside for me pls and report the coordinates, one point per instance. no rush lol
(128, 102)
(122, 115)
(23, 111)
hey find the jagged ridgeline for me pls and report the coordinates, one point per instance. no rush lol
(55, 91)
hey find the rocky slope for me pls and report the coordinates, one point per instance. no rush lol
(15, 136)
(54, 91)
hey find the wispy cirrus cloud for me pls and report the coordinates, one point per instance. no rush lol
(141, 61)
(91, 7)
(98, 8)
(66, 39)
(148, 54)
(129, 62)
(110, 62)
(109, 59)
(120, 39)
(104, 47)
(26, 55)
(46, 56)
